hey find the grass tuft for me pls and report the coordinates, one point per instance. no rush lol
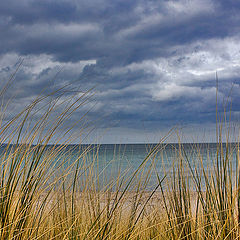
(45, 193)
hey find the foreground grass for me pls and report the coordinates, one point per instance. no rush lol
(42, 197)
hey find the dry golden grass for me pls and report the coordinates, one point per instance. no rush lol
(44, 195)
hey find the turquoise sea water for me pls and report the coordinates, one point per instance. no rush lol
(109, 160)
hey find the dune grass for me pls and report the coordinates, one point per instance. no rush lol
(46, 195)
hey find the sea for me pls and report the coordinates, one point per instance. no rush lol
(146, 163)
(151, 163)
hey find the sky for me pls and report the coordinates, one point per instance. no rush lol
(152, 64)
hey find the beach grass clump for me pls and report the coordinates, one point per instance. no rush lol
(45, 193)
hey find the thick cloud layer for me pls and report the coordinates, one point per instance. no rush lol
(153, 63)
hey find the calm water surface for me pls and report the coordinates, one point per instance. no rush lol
(111, 159)
(108, 160)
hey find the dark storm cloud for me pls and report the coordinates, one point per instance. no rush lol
(151, 62)
(122, 31)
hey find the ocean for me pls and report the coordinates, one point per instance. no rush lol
(108, 162)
